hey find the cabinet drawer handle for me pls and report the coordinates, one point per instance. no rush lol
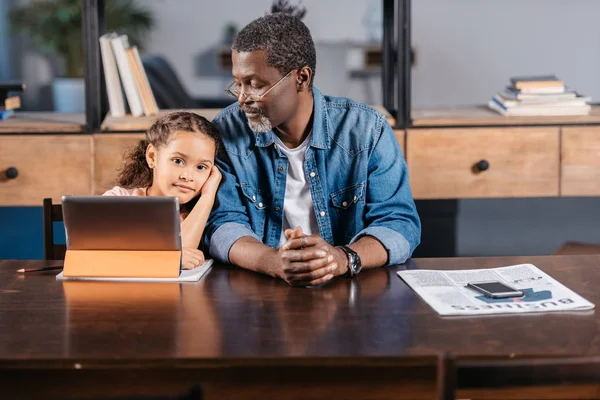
(480, 166)
(11, 172)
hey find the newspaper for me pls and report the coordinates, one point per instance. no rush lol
(446, 291)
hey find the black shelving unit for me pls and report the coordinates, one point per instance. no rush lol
(93, 27)
(438, 217)
(395, 69)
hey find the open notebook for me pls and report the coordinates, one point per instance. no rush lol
(189, 275)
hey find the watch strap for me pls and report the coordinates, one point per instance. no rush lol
(353, 260)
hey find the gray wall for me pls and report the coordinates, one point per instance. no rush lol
(5, 65)
(466, 50)
(188, 35)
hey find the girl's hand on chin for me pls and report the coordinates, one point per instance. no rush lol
(212, 183)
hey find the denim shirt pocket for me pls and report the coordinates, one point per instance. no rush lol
(348, 212)
(345, 198)
(256, 203)
(254, 196)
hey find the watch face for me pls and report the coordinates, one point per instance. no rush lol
(351, 264)
(355, 264)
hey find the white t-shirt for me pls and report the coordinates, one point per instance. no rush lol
(298, 208)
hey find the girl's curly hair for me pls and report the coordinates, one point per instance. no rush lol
(136, 172)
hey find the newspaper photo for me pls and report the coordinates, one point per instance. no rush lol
(447, 292)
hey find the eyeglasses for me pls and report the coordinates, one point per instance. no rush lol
(233, 91)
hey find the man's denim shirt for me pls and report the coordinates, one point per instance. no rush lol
(355, 169)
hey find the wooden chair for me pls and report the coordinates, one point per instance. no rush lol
(543, 373)
(574, 248)
(52, 213)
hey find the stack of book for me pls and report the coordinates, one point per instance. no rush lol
(120, 59)
(539, 96)
(9, 101)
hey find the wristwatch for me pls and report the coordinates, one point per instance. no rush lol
(354, 263)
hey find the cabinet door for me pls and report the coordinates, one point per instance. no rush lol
(45, 166)
(483, 162)
(580, 161)
(109, 152)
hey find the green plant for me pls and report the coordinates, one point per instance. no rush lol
(55, 26)
(284, 6)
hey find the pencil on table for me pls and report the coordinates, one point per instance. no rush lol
(53, 268)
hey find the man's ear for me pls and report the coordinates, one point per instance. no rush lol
(151, 156)
(303, 78)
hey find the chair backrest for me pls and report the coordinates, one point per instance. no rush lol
(516, 373)
(52, 213)
(165, 84)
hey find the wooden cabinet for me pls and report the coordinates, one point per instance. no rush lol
(55, 165)
(483, 162)
(109, 152)
(46, 166)
(443, 163)
(401, 137)
(109, 149)
(580, 161)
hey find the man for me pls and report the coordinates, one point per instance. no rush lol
(313, 186)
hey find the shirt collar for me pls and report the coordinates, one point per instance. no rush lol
(319, 137)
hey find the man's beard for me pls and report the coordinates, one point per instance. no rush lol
(263, 125)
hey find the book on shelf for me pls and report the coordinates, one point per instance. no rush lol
(124, 73)
(116, 101)
(539, 96)
(119, 45)
(537, 111)
(536, 81)
(11, 103)
(538, 84)
(515, 94)
(569, 102)
(12, 86)
(543, 90)
(141, 81)
(4, 114)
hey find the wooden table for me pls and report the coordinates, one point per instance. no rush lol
(243, 335)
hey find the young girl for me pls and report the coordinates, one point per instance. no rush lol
(177, 159)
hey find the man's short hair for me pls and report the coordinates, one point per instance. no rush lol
(284, 38)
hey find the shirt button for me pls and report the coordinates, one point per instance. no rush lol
(260, 204)
(280, 169)
(355, 198)
(253, 198)
(277, 209)
(312, 174)
(322, 213)
(345, 203)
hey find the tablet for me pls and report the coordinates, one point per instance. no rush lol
(121, 223)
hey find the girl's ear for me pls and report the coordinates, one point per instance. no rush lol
(151, 156)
